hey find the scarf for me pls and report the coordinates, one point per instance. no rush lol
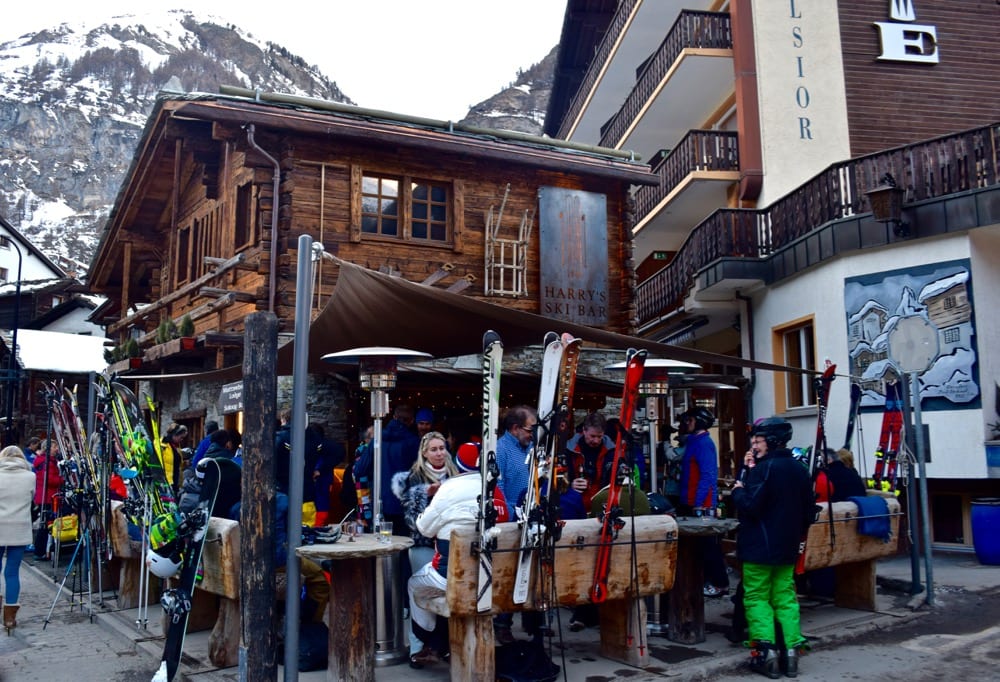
(432, 474)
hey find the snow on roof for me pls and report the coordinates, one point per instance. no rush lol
(59, 352)
(942, 285)
(869, 305)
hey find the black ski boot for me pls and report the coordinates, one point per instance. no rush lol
(764, 659)
(791, 663)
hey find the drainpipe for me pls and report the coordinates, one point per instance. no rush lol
(749, 354)
(272, 278)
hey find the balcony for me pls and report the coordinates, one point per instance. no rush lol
(822, 218)
(678, 87)
(694, 178)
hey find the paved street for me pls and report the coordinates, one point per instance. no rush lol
(956, 638)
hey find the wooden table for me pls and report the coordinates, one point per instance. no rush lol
(686, 609)
(352, 602)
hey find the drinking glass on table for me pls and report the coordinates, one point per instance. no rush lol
(385, 532)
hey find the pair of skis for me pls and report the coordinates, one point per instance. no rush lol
(152, 505)
(612, 518)
(817, 458)
(540, 523)
(489, 469)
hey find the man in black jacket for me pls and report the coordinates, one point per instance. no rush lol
(775, 506)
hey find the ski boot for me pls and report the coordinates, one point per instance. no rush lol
(764, 659)
(791, 666)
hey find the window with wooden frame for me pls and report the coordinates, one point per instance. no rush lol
(245, 230)
(406, 208)
(183, 273)
(199, 238)
(794, 345)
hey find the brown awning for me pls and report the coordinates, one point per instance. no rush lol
(369, 308)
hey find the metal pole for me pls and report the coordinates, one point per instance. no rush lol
(296, 474)
(652, 417)
(911, 494)
(12, 373)
(924, 512)
(389, 645)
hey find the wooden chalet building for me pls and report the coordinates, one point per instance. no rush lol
(207, 220)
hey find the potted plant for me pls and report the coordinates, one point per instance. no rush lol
(187, 333)
(134, 354)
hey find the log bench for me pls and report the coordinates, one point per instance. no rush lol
(623, 617)
(852, 555)
(216, 599)
(126, 555)
(216, 602)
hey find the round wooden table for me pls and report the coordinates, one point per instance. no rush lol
(352, 601)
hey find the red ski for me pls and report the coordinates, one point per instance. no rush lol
(612, 520)
(818, 456)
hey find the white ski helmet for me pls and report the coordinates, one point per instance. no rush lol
(163, 566)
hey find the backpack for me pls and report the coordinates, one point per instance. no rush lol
(525, 661)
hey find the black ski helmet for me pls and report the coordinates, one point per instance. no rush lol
(775, 431)
(703, 418)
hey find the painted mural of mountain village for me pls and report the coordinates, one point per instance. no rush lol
(941, 296)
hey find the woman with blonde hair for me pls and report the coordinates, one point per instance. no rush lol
(17, 489)
(415, 488)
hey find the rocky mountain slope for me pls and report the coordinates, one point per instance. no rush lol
(74, 100)
(521, 106)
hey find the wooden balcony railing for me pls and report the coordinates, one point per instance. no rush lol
(926, 170)
(700, 150)
(693, 29)
(618, 24)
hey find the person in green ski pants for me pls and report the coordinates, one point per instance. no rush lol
(775, 506)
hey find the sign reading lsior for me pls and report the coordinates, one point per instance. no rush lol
(573, 241)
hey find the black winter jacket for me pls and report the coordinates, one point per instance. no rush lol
(775, 509)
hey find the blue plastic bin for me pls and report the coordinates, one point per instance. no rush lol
(986, 529)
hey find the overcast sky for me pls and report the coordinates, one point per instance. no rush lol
(430, 58)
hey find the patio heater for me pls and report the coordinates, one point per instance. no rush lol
(377, 371)
(655, 385)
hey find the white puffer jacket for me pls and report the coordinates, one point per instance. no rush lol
(454, 506)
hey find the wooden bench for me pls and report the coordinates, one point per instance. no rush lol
(216, 599)
(216, 602)
(127, 554)
(623, 616)
(852, 555)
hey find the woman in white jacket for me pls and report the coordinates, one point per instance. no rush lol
(17, 489)
(456, 505)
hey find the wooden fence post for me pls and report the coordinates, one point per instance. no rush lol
(258, 649)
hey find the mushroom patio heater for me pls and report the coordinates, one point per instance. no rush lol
(377, 372)
(655, 385)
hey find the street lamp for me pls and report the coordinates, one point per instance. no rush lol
(12, 371)
(377, 370)
(887, 205)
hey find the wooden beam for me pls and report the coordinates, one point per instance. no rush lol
(196, 313)
(175, 295)
(223, 340)
(242, 296)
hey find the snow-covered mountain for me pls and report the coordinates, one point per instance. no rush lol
(74, 100)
